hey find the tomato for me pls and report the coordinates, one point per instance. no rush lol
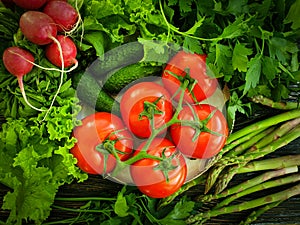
(96, 129)
(145, 102)
(212, 131)
(150, 179)
(192, 67)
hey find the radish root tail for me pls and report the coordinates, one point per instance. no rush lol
(62, 70)
(49, 69)
(61, 75)
(24, 95)
(76, 25)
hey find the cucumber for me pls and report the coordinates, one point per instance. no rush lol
(90, 92)
(120, 56)
(116, 80)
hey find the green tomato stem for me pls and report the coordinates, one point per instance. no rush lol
(172, 121)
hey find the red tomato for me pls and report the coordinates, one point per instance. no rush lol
(96, 129)
(132, 106)
(195, 64)
(149, 179)
(206, 144)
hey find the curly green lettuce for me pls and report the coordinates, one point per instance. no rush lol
(37, 161)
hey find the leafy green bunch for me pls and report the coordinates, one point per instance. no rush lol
(37, 161)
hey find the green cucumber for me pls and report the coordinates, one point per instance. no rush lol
(90, 92)
(120, 56)
(116, 80)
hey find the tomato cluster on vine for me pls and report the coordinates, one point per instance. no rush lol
(161, 124)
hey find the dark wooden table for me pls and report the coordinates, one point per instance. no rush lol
(286, 213)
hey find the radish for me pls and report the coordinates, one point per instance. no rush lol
(68, 48)
(30, 4)
(19, 62)
(38, 27)
(63, 14)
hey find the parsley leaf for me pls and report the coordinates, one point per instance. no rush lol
(240, 57)
(235, 29)
(253, 73)
(181, 211)
(184, 5)
(193, 45)
(293, 15)
(269, 67)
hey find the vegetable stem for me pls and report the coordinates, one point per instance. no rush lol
(272, 163)
(279, 196)
(262, 186)
(276, 105)
(79, 199)
(258, 153)
(264, 124)
(256, 213)
(249, 183)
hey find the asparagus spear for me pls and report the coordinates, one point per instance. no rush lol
(249, 183)
(248, 137)
(252, 155)
(262, 186)
(233, 149)
(279, 132)
(273, 146)
(256, 213)
(275, 197)
(276, 105)
(213, 176)
(242, 147)
(272, 163)
(239, 141)
(292, 114)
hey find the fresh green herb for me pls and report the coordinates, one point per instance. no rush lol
(37, 162)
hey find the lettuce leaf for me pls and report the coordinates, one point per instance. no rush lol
(37, 161)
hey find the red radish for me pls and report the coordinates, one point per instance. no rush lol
(63, 14)
(19, 62)
(69, 51)
(30, 4)
(38, 27)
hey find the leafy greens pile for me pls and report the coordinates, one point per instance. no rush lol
(251, 46)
